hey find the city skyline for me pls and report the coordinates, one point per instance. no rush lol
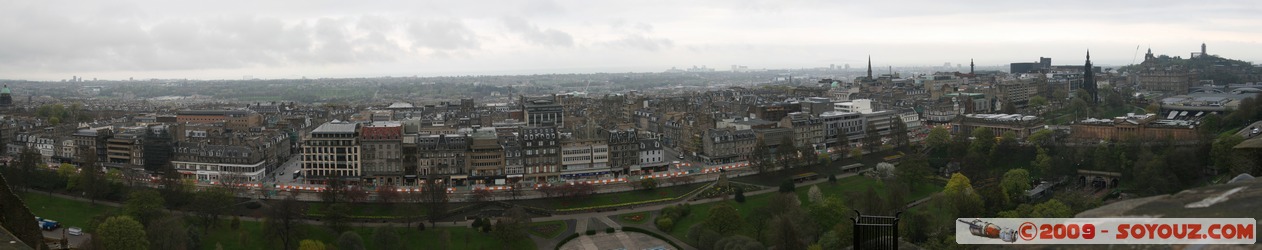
(54, 40)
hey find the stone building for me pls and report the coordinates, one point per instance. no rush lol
(332, 151)
(999, 124)
(1147, 127)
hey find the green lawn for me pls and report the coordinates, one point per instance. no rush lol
(612, 198)
(858, 183)
(250, 235)
(70, 213)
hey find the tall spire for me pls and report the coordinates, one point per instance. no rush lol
(869, 67)
(970, 66)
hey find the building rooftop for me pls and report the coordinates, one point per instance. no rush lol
(212, 112)
(336, 128)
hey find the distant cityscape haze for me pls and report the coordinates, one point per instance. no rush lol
(54, 40)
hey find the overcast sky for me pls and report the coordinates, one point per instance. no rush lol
(228, 39)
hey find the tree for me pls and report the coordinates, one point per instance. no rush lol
(1152, 169)
(856, 153)
(335, 189)
(785, 233)
(1210, 125)
(311, 245)
(284, 220)
(481, 195)
(1222, 154)
(336, 216)
(787, 186)
(724, 220)
(739, 196)
(350, 240)
(1014, 183)
(512, 227)
(648, 183)
(983, 142)
(122, 232)
(1042, 137)
(787, 152)
(1038, 101)
(814, 195)
(209, 204)
(168, 233)
(27, 163)
(435, 198)
(899, 131)
(144, 205)
(914, 169)
(761, 158)
(960, 196)
(938, 138)
(175, 191)
(1052, 209)
(1042, 162)
(843, 140)
(871, 138)
(827, 213)
(386, 238)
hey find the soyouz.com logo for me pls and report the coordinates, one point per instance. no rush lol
(1106, 230)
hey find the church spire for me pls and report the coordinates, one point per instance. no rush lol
(970, 66)
(869, 67)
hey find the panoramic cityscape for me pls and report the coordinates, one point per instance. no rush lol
(577, 125)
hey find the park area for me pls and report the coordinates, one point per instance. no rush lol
(249, 234)
(843, 188)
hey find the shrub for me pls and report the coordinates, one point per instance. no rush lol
(236, 223)
(609, 230)
(665, 224)
(740, 196)
(591, 232)
(420, 226)
(832, 178)
(684, 210)
(787, 186)
(253, 205)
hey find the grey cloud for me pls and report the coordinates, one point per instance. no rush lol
(442, 35)
(536, 35)
(643, 43)
(46, 40)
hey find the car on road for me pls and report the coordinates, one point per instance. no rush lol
(74, 231)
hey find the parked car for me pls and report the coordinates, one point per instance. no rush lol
(74, 231)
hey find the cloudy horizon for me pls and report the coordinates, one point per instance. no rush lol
(57, 39)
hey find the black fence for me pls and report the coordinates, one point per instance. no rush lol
(875, 232)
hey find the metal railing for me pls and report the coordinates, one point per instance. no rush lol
(875, 232)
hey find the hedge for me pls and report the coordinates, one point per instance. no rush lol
(569, 238)
(651, 233)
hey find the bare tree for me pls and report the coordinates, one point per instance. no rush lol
(435, 198)
(284, 221)
(481, 195)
